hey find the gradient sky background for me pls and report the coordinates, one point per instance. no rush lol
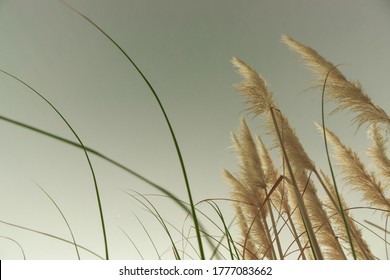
(184, 48)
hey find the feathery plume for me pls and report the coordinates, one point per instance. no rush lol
(324, 231)
(348, 94)
(260, 101)
(297, 155)
(250, 248)
(250, 188)
(271, 176)
(253, 234)
(253, 88)
(378, 152)
(251, 167)
(362, 249)
(355, 173)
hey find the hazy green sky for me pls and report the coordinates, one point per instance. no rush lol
(184, 48)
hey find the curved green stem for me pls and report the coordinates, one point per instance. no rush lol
(179, 154)
(85, 152)
(330, 164)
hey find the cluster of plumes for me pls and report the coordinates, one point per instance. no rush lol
(249, 190)
(265, 201)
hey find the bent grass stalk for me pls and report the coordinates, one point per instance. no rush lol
(149, 236)
(152, 209)
(132, 242)
(85, 153)
(302, 209)
(340, 205)
(226, 233)
(17, 243)
(102, 156)
(63, 217)
(179, 154)
(53, 237)
(86, 149)
(184, 206)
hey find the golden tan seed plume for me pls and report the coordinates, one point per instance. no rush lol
(250, 248)
(253, 88)
(355, 173)
(325, 228)
(251, 167)
(361, 247)
(348, 94)
(253, 176)
(270, 171)
(378, 152)
(259, 100)
(280, 196)
(253, 229)
(297, 155)
(327, 238)
(250, 188)
(296, 220)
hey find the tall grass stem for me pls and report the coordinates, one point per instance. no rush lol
(85, 153)
(302, 209)
(330, 164)
(179, 154)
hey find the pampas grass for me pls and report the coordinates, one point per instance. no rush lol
(356, 175)
(349, 95)
(280, 212)
(323, 228)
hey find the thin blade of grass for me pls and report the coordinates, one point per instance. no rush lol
(376, 226)
(385, 232)
(85, 153)
(302, 209)
(188, 212)
(64, 218)
(330, 164)
(152, 209)
(179, 154)
(150, 238)
(17, 243)
(102, 156)
(51, 236)
(259, 211)
(132, 242)
(226, 232)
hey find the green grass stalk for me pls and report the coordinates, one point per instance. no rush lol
(302, 209)
(277, 239)
(152, 209)
(179, 154)
(149, 237)
(102, 156)
(233, 252)
(132, 242)
(52, 236)
(330, 165)
(17, 243)
(85, 153)
(63, 217)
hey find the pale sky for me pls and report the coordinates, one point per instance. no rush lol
(184, 48)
